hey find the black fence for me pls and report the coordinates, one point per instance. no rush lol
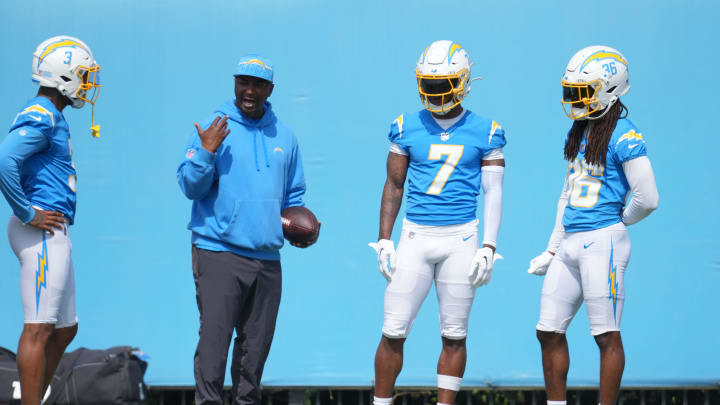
(415, 396)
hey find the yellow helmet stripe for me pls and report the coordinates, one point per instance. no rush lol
(454, 47)
(604, 55)
(60, 44)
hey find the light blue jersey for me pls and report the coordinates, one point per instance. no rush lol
(596, 195)
(36, 166)
(444, 172)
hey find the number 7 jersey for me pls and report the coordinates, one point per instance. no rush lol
(596, 195)
(444, 173)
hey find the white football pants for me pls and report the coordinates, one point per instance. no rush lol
(588, 266)
(425, 254)
(47, 279)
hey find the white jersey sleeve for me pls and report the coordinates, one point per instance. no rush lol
(395, 148)
(494, 154)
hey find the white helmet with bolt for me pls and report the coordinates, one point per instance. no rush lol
(65, 63)
(595, 78)
(443, 71)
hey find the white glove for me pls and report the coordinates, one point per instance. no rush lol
(481, 266)
(539, 265)
(387, 258)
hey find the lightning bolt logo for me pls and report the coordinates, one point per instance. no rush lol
(612, 282)
(40, 274)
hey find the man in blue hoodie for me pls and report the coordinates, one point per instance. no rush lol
(241, 168)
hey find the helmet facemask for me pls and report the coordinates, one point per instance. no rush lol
(580, 99)
(450, 89)
(88, 91)
(89, 87)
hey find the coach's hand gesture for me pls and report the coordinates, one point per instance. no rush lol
(214, 135)
(47, 220)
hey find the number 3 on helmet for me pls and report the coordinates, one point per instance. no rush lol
(443, 76)
(67, 64)
(594, 79)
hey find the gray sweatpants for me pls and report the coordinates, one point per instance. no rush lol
(240, 293)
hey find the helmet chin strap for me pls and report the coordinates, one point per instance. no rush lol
(592, 117)
(444, 109)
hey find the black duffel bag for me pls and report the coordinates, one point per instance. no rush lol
(9, 381)
(87, 377)
(100, 377)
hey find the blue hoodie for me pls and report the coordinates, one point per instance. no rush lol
(239, 191)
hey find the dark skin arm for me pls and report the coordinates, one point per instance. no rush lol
(47, 220)
(495, 162)
(397, 167)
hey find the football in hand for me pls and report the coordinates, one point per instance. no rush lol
(299, 225)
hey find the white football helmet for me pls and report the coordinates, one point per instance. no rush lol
(443, 71)
(67, 64)
(594, 79)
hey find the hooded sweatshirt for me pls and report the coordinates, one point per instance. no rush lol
(239, 191)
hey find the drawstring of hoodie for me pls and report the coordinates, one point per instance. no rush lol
(264, 147)
(262, 137)
(257, 167)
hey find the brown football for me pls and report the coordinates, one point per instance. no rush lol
(299, 224)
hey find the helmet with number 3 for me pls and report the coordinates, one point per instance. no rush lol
(67, 64)
(594, 79)
(443, 75)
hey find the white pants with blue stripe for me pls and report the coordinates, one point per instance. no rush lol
(47, 278)
(590, 267)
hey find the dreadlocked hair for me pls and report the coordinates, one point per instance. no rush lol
(599, 135)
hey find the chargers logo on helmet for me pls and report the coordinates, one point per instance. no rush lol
(65, 63)
(594, 79)
(443, 76)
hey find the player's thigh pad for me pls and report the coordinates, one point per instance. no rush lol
(410, 283)
(561, 293)
(47, 285)
(453, 284)
(602, 270)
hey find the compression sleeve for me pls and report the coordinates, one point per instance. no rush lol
(559, 230)
(640, 177)
(491, 180)
(19, 145)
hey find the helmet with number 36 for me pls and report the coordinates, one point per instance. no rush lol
(594, 79)
(67, 64)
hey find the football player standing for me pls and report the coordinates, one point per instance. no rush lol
(447, 153)
(589, 248)
(37, 177)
